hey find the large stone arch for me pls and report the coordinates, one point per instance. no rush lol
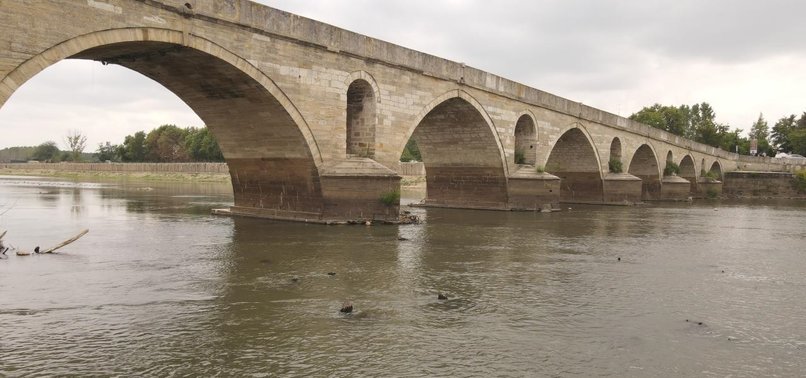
(575, 161)
(272, 155)
(689, 172)
(526, 138)
(463, 157)
(644, 165)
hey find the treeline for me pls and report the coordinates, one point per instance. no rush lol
(45, 152)
(411, 152)
(698, 123)
(165, 144)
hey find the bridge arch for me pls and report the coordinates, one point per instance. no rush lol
(644, 165)
(462, 154)
(272, 155)
(526, 139)
(716, 169)
(575, 160)
(689, 172)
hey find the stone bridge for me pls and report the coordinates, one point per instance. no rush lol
(312, 119)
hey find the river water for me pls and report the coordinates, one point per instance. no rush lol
(159, 287)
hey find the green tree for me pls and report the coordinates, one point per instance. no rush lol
(166, 144)
(46, 152)
(201, 145)
(761, 132)
(780, 133)
(732, 141)
(108, 152)
(669, 118)
(134, 147)
(797, 139)
(411, 152)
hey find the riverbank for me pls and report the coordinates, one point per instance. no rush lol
(413, 174)
(197, 172)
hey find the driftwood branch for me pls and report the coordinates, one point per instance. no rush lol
(66, 242)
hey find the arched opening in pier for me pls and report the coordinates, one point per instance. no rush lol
(716, 170)
(361, 119)
(688, 172)
(265, 142)
(614, 163)
(644, 165)
(525, 140)
(573, 159)
(461, 154)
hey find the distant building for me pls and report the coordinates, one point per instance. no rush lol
(754, 146)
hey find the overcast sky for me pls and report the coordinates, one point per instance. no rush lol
(742, 56)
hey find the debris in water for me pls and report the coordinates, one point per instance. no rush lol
(331, 273)
(346, 307)
(442, 297)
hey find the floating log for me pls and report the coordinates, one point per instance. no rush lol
(66, 242)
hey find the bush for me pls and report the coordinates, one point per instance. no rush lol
(671, 169)
(391, 198)
(540, 169)
(615, 166)
(800, 181)
(520, 158)
(711, 175)
(711, 194)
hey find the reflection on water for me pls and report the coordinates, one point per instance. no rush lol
(160, 287)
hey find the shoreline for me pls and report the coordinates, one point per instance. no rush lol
(146, 176)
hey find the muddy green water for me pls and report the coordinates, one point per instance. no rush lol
(161, 288)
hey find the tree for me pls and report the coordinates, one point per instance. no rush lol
(166, 144)
(411, 152)
(134, 149)
(76, 142)
(108, 152)
(669, 118)
(46, 152)
(797, 138)
(201, 145)
(732, 141)
(781, 131)
(761, 132)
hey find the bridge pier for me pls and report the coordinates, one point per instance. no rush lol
(357, 189)
(707, 187)
(621, 188)
(466, 187)
(532, 190)
(360, 189)
(675, 188)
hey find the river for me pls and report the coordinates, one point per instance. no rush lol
(159, 287)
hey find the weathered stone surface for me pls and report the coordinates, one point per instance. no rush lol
(532, 190)
(708, 188)
(675, 188)
(288, 98)
(741, 184)
(621, 189)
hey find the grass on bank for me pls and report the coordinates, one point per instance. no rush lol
(147, 176)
